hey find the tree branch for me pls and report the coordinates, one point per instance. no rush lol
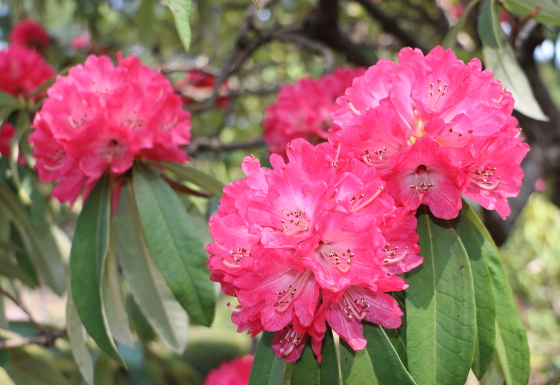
(46, 340)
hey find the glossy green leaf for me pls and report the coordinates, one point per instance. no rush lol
(194, 175)
(356, 367)
(489, 29)
(398, 336)
(182, 10)
(9, 101)
(477, 249)
(76, 336)
(267, 369)
(387, 365)
(33, 365)
(440, 308)
(87, 263)
(451, 37)
(5, 378)
(147, 286)
(511, 339)
(306, 370)
(494, 375)
(329, 368)
(43, 248)
(3, 320)
(505, 68)
(117, 318)
(175, 245)
(549, 12)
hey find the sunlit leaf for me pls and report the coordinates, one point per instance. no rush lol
(494, 375)
(199, 178)
(174, 243)
(549, 13)
(440, 308)
(5, 378)
(33, 365)
(87, 263)
(147, 286)
(505, 68)
(181, 10)
(356, 367)
(80, 351)
(267, 369)
(489, 29)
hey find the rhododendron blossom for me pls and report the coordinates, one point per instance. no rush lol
(197, 86)
(304, 109)
(23, 71)
(103, 118)
(234, 372)
(434, 128)
(300, 244)
(30, 34)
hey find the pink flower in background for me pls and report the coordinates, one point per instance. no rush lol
(102, 118)
(7, 131)
(197, 86)
(304, 109)
(23, 70)
(81, 41)
(30, 34)
(234, 372)
(432, 126)
(294, 243)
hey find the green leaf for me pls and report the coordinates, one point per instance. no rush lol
(182, 10)
(174, 243)
(267, 369)
(147, 286)
(477, 248)
(451, 37)
(387, 365)
(3, 320)
(356, 366)
(505, 68)
(329, 368)
(548, 14)
(87, 262)
(4, 378)
(306, 370)
(34, 365)
(22, 125)
(39, 241)
(199, 178)
(489, 29)
(9, 101)
(440, 309)
(117, 318)
(77, 339)
(494, 375)
(511, 340)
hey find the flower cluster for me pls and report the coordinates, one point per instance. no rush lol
(314, 240)
(234, 372)
(304, 109)
(434, 128)
(23, 71)
(30, 34)
(102, 118)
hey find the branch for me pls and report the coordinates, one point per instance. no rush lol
(46, 340)
(22, 307)
(213, 144)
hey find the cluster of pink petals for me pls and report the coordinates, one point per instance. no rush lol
(234, 372)
(434, 128)
(30, 34)
(197, 86)
(316, 240)
(304, 109)
(103, 117)
(7, 131)
(22, 71)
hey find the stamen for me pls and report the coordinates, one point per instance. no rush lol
(235, 309)
(335, 161)
(354, 110)
(285, 297)
(364, 204)
(397, 259)
(354, 305)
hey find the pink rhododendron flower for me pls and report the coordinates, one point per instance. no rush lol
(30, 34)
(81, 41)
(197, 86)
(434, 128)
(102, 118)
(234, 372)
(7, 131)
(304, 109)
(23, 71)
(296, 243)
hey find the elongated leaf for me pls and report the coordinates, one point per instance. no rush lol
(494, 375)
(476, 249)
(3, 320)
(9, 101)
(356, 367)
(267, 369)
(386, 363)
(174, 244)
(329, 368)
(451, 37)
(511, 340)
(22, 125)
(4, 378)
(87, 263)
(147, 286)
(505, 68)
(306, 371)
(34, 365)
(199, 178)
(117, 318)
(549, 12)
(43, 250)
(489, 29)
(440, 309)
(80, 351)
(181, 10)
